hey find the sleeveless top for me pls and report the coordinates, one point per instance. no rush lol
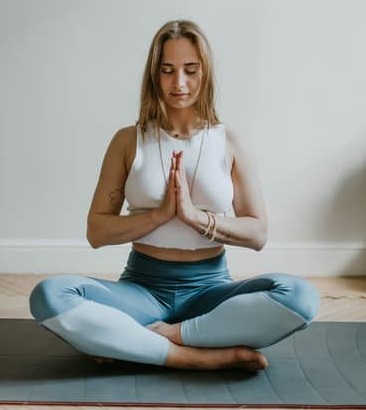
(212, 189)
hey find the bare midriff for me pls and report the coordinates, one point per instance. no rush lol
(178, 255)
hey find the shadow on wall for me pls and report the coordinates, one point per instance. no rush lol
(345, 220)
(356, 267)
(346, 216)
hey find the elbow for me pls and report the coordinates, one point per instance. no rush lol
(92, 239)
(259, 243)
(260, 238)
(92, 235)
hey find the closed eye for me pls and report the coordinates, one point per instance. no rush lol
(171, 71)
(189, 68)
(191, 72)
(164, 70)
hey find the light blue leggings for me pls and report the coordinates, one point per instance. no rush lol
(108, 319)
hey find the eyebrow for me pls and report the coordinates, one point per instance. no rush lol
(185, 64)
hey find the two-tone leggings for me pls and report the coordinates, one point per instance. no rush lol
(109, 319)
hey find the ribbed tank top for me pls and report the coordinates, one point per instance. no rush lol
(146, 183)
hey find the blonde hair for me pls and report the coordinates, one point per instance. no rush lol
(152, 105)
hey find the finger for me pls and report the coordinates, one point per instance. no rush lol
(173, 163)
(179, 159)
(181, 181)
(177, 180)
(175, 154)
(171, 180)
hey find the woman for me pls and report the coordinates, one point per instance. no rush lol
(181, 171)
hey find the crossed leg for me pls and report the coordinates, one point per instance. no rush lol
(108, 319)
(254, 313)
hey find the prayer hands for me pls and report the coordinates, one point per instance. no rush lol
(185, 210)
(177, 200)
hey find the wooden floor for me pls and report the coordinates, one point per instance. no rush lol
(342, 299)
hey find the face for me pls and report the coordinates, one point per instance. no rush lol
(180, 74)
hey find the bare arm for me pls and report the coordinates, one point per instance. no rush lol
(105, 224)
(248, 228)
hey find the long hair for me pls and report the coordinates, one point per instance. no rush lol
(152, 105)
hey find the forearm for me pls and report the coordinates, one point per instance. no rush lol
(106, 229)
(245, 231)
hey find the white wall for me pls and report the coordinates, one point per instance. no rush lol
(290, 73)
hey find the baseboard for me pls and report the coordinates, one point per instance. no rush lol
(76, 257)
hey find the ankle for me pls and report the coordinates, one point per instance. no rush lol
(185, 357)
(176, 335)
(171, 331)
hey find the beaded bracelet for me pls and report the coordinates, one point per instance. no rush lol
(209, 223)
(211, 227)
(214, 228)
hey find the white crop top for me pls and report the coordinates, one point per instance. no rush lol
(212, 189)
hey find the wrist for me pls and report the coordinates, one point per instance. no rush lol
(189, 218)
(201, 222)
(211, 226)
(159, 217)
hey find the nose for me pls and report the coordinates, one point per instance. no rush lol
(180, 79)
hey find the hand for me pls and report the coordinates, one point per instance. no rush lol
(168, 206)
(185, 209)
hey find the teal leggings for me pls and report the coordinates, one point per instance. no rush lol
(109, 319)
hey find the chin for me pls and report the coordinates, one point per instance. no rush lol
(180, 105)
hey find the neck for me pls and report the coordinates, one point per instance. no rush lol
(183, 123)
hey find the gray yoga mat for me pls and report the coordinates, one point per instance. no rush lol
(324, 365)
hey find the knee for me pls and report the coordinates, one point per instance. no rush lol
(306, 299)
(39, 300)
(48, 298)
(298, 295)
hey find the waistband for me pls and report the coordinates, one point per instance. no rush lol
(146, 269)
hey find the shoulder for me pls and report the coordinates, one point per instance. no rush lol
(123, 145)
(238, 143)
(235, 137)
(125, 137)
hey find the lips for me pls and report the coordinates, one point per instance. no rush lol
(179, 95)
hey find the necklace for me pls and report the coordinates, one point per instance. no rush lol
(177, 136)
(199, 125)
(204, 132)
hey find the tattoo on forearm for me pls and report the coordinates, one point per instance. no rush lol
(115, 196)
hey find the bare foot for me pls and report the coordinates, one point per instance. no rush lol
(171, 332)
(185, 357)
(101, 360)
